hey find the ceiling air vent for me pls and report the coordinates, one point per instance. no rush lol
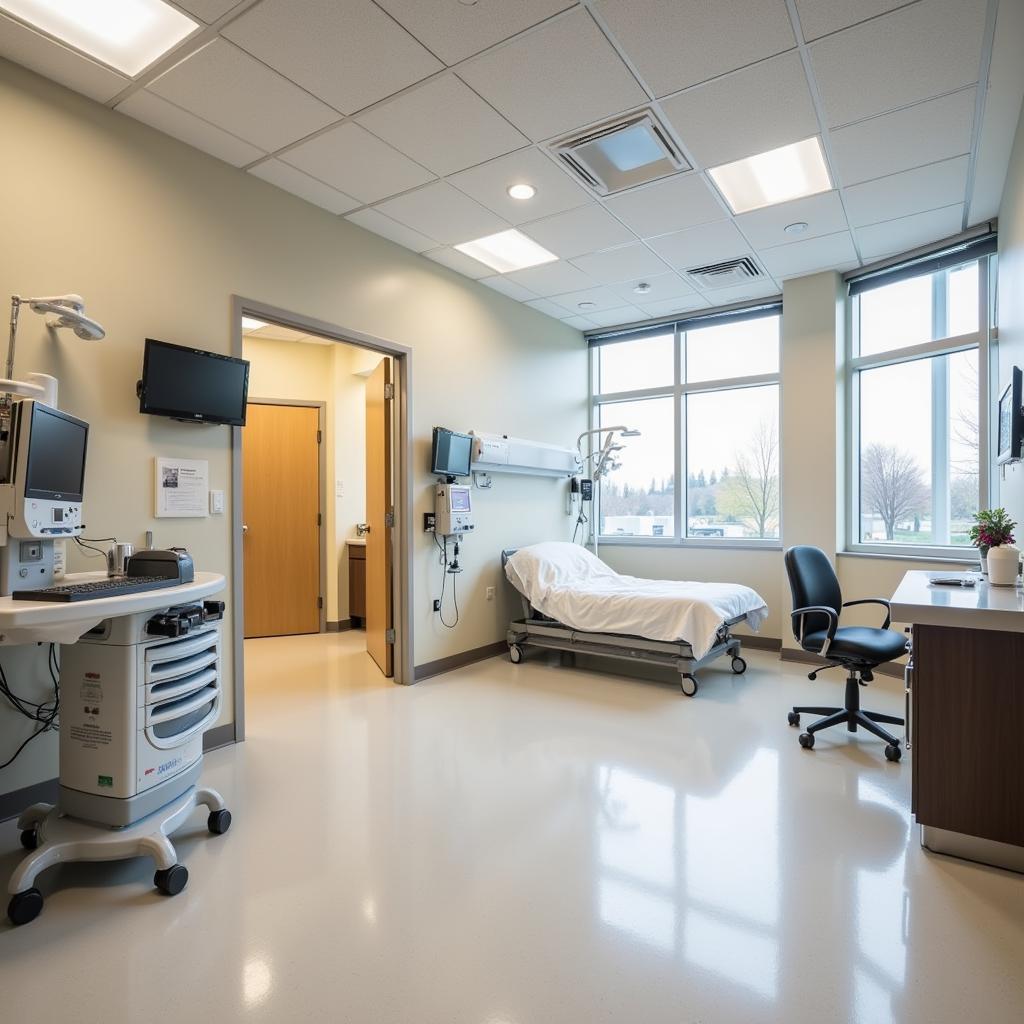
(722, 275)
(629, 151)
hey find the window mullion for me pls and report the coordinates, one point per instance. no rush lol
(680, 496)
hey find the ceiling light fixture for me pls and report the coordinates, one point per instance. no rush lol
(522, 190)
(250, 323)
(506, 251)
(127, 35)
(586, 305)
(796, 228)
(777, 176)
(642, 288)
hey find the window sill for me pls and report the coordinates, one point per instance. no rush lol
(671, 542)
(894, 557)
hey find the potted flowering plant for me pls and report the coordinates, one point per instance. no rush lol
(992, 528)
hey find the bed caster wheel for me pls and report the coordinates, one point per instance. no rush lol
(689, 685)
(25, 906)
(515, 653)
(219, 821)
(794, 718)
(893, 752)
(29, 838)
(739, 666)
(806, 740)
(170, 881)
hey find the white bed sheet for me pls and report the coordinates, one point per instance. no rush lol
(570, 584)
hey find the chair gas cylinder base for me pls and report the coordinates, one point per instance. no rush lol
(817, 604)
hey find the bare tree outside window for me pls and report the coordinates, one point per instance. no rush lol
(752, 490)
(892, 485)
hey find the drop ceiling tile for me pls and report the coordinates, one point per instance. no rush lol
(821, 17)
(618, 316)
(914, 191)
(443, 125)
(661, 288)
(743, 292)
(349, 54)
(228, 88)
(502, 284)
(488, 184)
(303, 186)
(897, 236)
(678, 43)
(551, 278)
(695, 247)
(459, 261)
(911, 54)
(615, 265)
(684, 304)
(747, 112)
(922, 134)
(47, 57)
(555, 78)
(172, 120)
(207, 10)
(581, 323)
(379, 224)
(455, 31)
(442, 212)
(670, 205)
(547, 307)
(823, 214)
(603, 298)
(352, 160)
(580, 231)
(830, 252)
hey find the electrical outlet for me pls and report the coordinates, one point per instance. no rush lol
(437, 605)
(429, 521)
(490, 593)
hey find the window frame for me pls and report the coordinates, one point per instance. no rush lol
(678, 391)
(985, 342)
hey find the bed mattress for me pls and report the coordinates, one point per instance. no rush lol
(573, 586)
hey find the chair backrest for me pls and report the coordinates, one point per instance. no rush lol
(812, 580)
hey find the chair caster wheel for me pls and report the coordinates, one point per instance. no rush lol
(170, 881)
(739, 666)
(219, 821)
(806, 740)
(29, 838)
(689, 685)
(515, 653)
(25, 906)
(794, 718)
(893, 752)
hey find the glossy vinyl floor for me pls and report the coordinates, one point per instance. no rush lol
(525, 844)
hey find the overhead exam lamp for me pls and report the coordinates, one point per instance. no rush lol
(603, 459)
(69, 311)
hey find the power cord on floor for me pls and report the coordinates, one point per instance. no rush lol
(46, 713)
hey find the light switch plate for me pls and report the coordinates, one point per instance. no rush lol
(216, 503)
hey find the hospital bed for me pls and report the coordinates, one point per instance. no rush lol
(584, 590)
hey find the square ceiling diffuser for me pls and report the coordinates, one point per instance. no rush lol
(622, 153)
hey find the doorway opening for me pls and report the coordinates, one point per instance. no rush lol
(322, 520)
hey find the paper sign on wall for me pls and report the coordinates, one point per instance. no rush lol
(182, 487)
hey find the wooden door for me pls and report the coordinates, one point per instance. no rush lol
(281, 513)
(379, 509)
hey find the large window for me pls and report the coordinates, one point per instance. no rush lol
(704, 394)
(918, 395)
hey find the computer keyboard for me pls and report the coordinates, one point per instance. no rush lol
(93, 589)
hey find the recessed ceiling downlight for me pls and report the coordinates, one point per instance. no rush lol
(642, 288)
(522, 190)
(586, 305)
(798, 227)
(507, 251)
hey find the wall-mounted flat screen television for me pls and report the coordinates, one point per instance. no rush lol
(192, 384)
(450, 453)
(1010, 420)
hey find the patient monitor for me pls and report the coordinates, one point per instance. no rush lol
(453, 509)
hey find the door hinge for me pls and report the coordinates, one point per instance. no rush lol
(389, 391)
(319, 437)
(389, 518)
(319, 602)
(389, 636)
(319, 519)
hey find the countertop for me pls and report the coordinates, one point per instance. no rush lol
(982, 606)
(358, 542)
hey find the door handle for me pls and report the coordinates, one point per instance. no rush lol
(362, 529)
(245, 527)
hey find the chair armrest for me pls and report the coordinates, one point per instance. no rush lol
(818, 609)
(873, 600)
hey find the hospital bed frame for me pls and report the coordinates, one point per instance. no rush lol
(538, 630)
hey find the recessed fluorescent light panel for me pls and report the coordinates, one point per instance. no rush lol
(789, 172)
(507, 250)
(127, 35)
(250, 323)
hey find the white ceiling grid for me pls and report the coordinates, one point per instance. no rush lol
(411, 119)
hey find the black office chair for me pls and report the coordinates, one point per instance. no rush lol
(817, 604)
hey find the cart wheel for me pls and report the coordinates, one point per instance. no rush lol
(170, 881)
(30, 838)
(794, 717)
(515, 653)
(739, 666)
(25, 906)
(806, 740)
(219, 821)
(689, 685)
(893, 752)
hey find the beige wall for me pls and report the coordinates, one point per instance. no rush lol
(158, 237)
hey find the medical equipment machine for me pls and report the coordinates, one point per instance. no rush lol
(453, 510)
(499, 453)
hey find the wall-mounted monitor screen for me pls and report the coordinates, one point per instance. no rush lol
(1010, 420)
(192, 384)
(450, 453)
(55, 468)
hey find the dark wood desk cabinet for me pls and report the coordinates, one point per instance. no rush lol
(967, 741)
(356, 584)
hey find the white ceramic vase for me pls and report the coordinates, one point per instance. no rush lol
(1003, 565)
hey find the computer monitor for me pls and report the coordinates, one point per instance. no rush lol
(450, 453)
